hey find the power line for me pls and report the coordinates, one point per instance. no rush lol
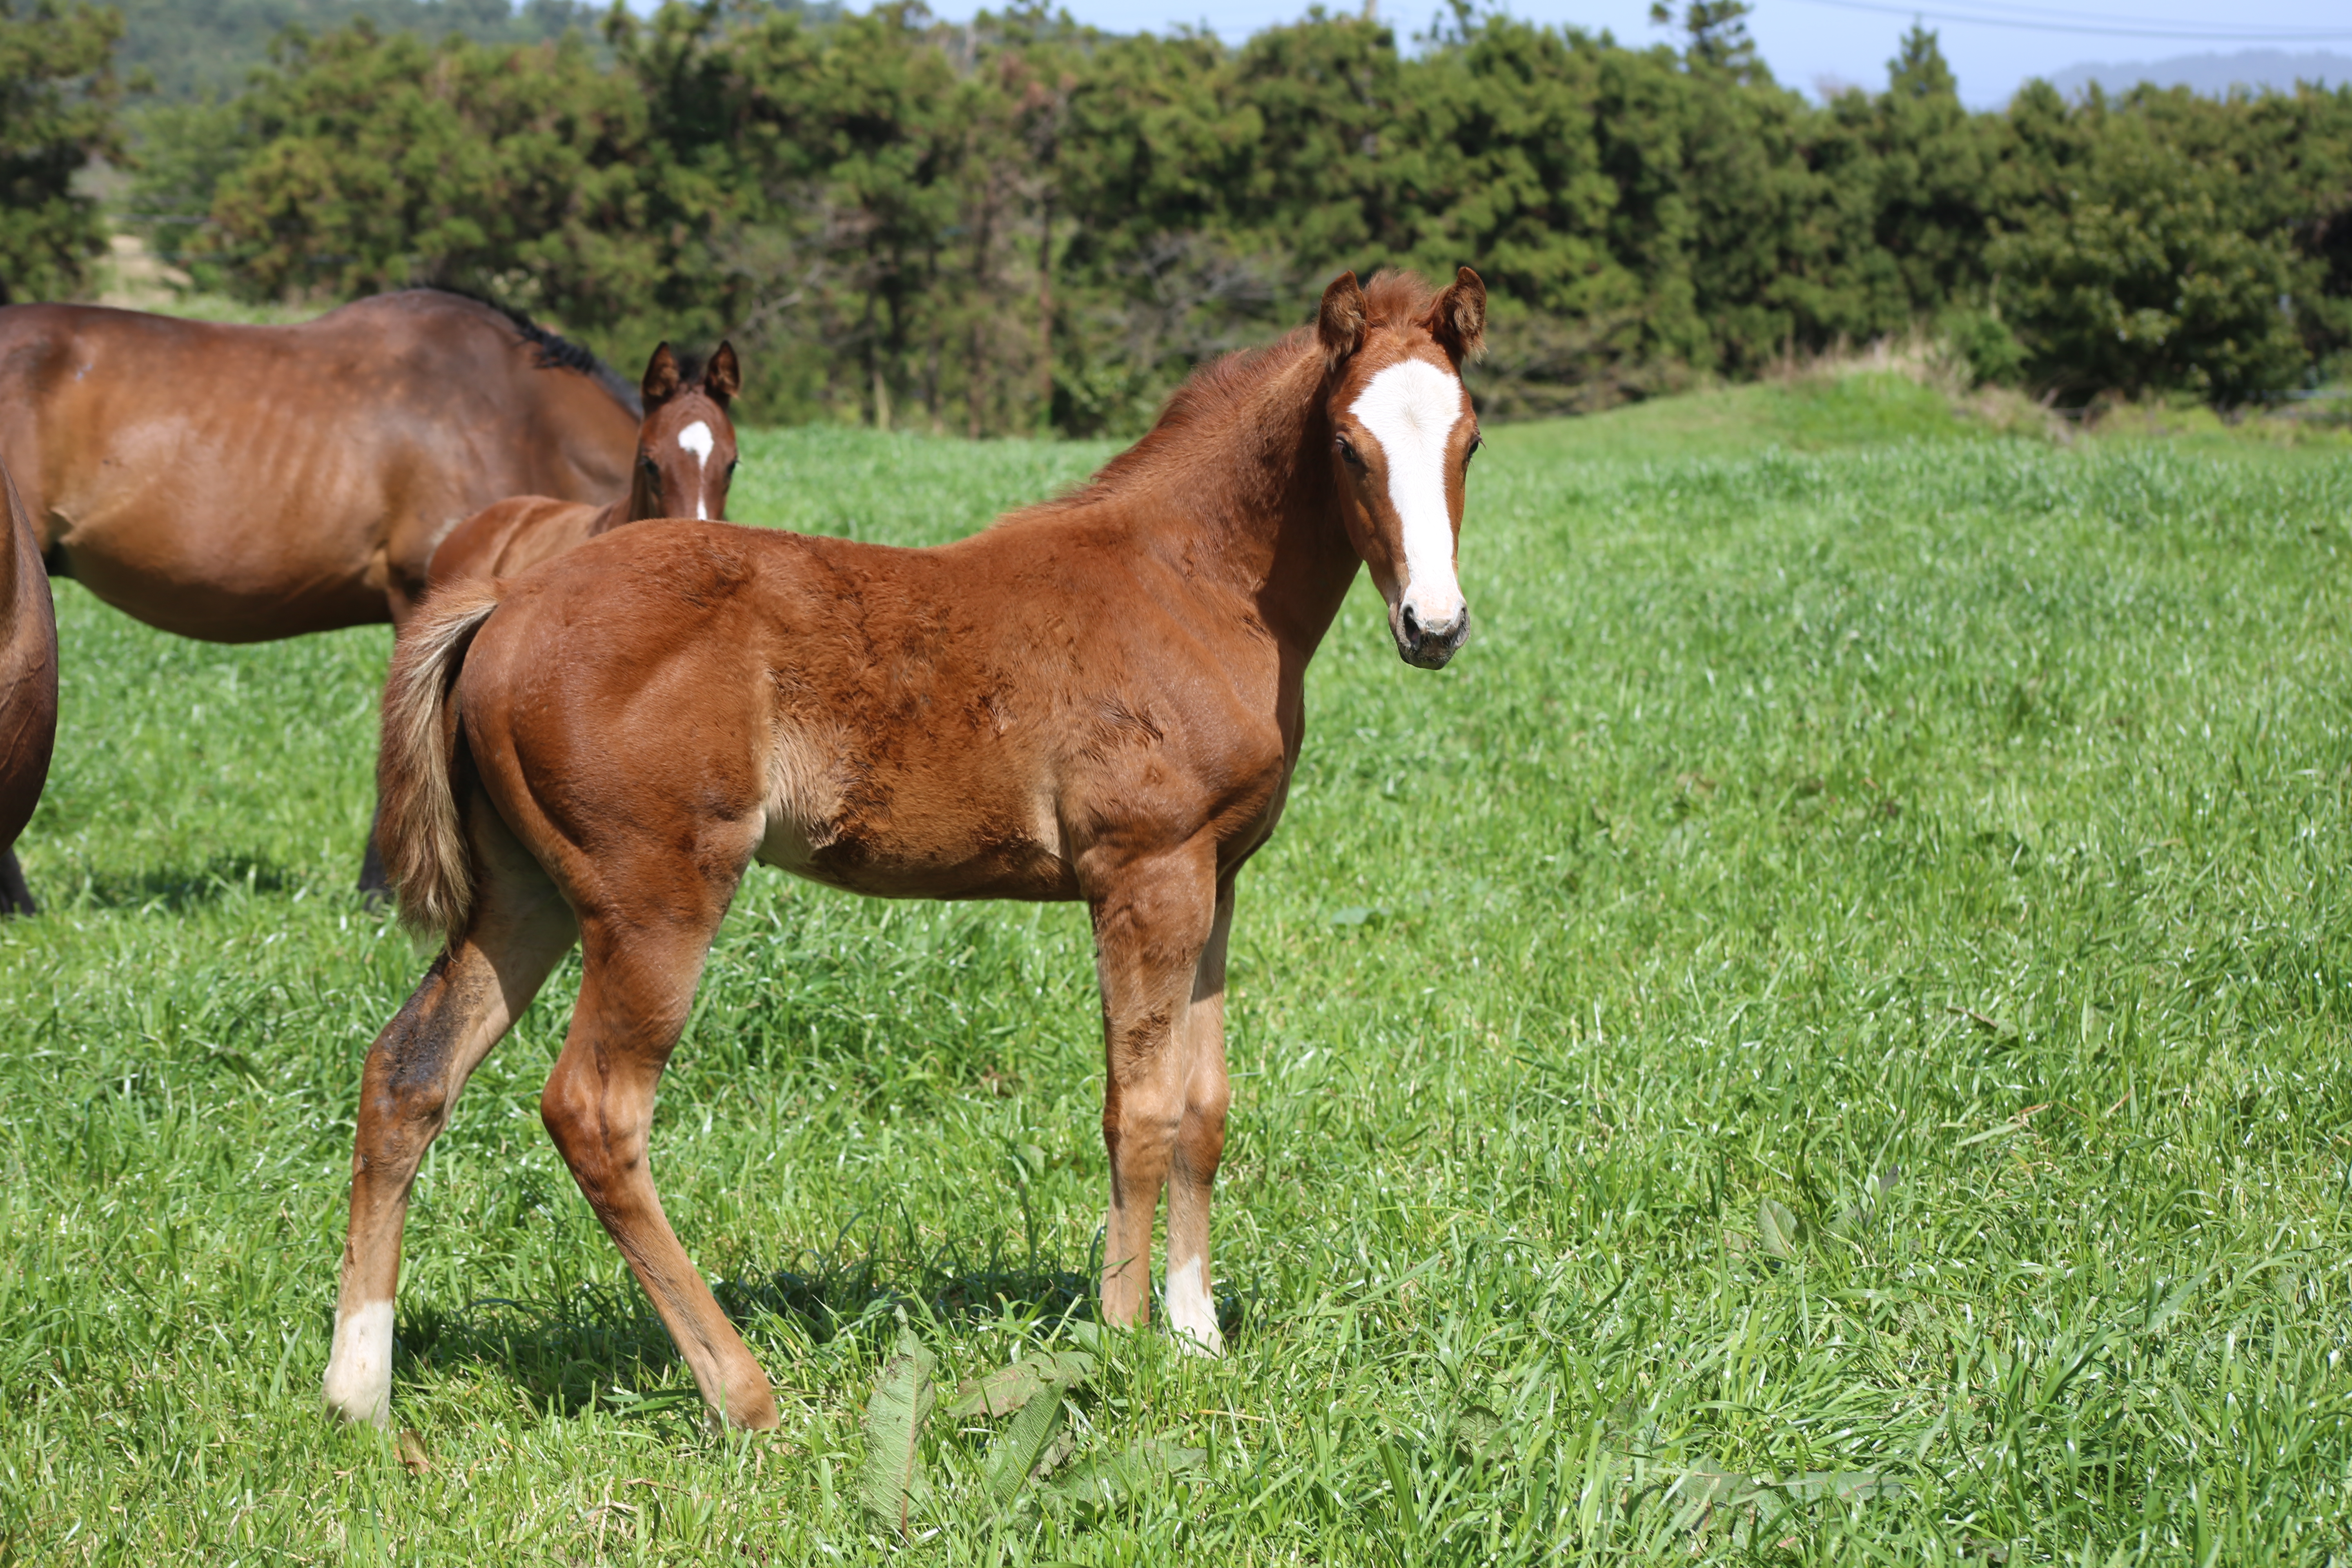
(2106, 18)
(2108, 29)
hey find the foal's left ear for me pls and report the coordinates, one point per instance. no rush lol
(1458, 319)
(720, 378)
(1340, 323)
(661, 380)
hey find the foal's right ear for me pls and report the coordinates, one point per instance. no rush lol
(722, 378)
(1341, 325)
(661, 380)
(1458, 318)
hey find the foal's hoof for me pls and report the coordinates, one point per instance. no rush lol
(1192, 1312)
(359, 1369)
(757, 1416)
(1191, 1342)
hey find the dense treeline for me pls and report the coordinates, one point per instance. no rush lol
(988, 227)
(190, 48)
(57, 93)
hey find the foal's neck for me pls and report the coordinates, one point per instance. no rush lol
(645, 496)
(1253, 505)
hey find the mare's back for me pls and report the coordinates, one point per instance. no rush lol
(407, 377)
(241, 483)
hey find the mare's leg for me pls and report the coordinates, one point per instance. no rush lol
(1200, 1143)
(375, 886)
(1152, 922)
(15, 898)
(468, 1000)
(636, 987)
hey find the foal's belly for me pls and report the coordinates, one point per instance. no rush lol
(909, 837)
(890, 866)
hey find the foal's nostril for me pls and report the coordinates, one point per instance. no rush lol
(1411, 621)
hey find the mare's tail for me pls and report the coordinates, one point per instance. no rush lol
(424, 843)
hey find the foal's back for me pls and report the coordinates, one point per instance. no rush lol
(514, 535)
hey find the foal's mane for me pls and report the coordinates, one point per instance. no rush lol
(1226, 388)
(553, 350)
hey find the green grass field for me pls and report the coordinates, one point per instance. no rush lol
(1821, 1037)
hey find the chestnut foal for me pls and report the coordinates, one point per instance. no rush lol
(1097, 698)
(686, 459)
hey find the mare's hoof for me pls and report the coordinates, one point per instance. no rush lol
(15, 898)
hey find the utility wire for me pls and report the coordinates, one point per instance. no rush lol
(2108, 29)
(2033, 13)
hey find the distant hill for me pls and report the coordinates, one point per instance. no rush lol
(2213, 75)
(196, 46)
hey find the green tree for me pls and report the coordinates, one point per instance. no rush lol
(57, 95)
(1017, 221)
(2133, 263)
(198, 48)
(1717, 31)
(385, 161)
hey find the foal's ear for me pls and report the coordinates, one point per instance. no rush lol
(661, 380)
(721, 378)
(1341, 325)
(1458, 319)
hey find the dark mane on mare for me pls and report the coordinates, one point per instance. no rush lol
(551, 351)
(1226, 384)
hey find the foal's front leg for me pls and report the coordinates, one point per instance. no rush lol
(1200, 1143)
(1153, 921)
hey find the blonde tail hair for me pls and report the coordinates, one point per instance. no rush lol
(423, 840)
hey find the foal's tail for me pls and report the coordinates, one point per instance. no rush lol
(423, 842)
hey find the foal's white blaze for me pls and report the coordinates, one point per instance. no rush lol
(697, 439)
(359, 1371)
(1191, 1315)
(1410, 408)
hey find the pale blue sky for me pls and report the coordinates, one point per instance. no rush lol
(1806, 40)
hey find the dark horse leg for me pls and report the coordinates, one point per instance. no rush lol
(375, 886)
(15, 898)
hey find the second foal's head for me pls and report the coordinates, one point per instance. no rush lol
(1402, 432)
(686, 447)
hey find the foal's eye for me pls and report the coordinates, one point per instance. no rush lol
(1347, 452)
(1475, 442)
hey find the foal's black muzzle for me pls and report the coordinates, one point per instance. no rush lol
(1426, 647)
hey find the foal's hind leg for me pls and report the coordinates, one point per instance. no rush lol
(468, 1000)
(1153, 923)
(636, 987)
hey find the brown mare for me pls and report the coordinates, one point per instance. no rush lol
(686, 458)
(28, 690)
(1097, 698)
(244, 483)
